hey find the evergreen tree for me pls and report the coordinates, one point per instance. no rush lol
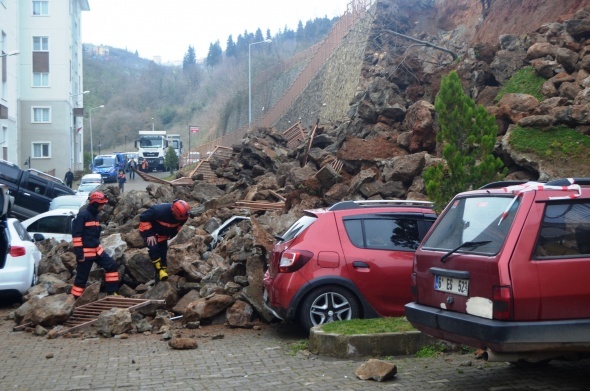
(190, 59)
(467, 135)
(171, 159)
(231, 49)
(258, 36)
(214, 56)
(300, 35)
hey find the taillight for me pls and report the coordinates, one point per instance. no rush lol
(293, 260)
(502, 302)
(17, 251)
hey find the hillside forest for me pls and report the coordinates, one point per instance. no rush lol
(139, 94)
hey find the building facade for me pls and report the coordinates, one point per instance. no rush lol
(9, 136)
(49, 135)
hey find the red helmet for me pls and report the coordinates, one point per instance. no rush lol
(97, 197)
(180, 209)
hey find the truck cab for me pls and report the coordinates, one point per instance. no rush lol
(152, 146)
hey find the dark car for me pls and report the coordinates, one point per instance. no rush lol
(31, 190)
(506, 270)
(352, 260)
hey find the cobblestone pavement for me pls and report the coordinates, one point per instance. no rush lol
(243, 360)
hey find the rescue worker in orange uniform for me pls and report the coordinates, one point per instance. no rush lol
(86, 238)
(158, 224)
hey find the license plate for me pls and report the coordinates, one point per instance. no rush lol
(452, 285)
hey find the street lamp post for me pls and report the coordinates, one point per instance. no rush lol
(90, 121)
(250, 79)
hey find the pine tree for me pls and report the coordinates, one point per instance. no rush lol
(467, 134)
(215, 54)
(171, 159)
(190, 59)
(231, 49)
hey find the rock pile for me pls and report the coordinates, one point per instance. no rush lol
(380, 153)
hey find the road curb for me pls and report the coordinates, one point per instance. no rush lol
(365, 345)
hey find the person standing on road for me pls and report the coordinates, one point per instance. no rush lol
(144, 165)
(132, 165)
(158, 224)
(121, 179)
(86, 239)
(69, 178)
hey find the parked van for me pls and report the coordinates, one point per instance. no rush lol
(108, 166)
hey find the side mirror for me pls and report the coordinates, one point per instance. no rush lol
(38, 237)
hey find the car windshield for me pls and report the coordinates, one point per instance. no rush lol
(485, 220)
(150, 142)
(105, 161)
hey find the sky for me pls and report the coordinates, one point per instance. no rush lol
(167, 28)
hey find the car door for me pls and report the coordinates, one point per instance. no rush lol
(379, 255)
(32, 195)
(562, 259)
(58, 227)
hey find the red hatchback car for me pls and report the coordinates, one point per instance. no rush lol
(508, 270)
(352, 260)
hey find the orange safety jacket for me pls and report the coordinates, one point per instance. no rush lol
(159, 221)
(86, 233)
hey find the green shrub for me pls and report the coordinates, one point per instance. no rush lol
(524, 81)
(555, 143)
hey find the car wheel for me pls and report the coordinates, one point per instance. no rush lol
(328, 304)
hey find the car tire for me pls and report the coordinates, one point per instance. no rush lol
(327, 304)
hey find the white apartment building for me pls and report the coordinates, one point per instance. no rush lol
(9, 138)
(49, 93)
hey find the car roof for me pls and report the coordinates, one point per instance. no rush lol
(68, 201)
(54, 212)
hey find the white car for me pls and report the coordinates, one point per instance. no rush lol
(19, 256)
(69, 202)
(55, 224)
(85, 188)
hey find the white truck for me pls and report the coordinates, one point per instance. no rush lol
(152, 146)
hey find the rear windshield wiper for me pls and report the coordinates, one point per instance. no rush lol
(443, 259)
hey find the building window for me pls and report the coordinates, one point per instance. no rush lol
(40, 79)
(40, 61)
(41, 150)
(41, 44)
(41, 115)
(40, 8)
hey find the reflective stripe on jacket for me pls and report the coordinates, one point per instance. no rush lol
(86, 233)
(159, 221)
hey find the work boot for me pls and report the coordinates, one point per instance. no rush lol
(112, 294)
(162, 274)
